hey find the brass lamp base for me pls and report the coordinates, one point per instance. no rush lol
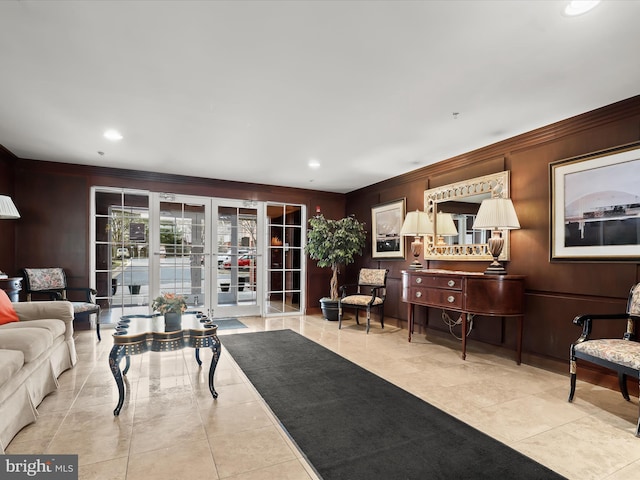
(416, 250)
(495, 268)
(495, 243)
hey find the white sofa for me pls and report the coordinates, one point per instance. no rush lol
(33, 354)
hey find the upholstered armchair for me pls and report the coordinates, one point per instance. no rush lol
(621, 355)
(51, 284)
(370, 292)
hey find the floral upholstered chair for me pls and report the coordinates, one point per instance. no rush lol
(51, 284)
(619, 354)
(370, 293)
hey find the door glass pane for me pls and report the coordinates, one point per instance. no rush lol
(285, 254)
(122, 253)
(182, 251)
(238, 259)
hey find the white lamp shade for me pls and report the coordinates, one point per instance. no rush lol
(445, 225)
(416, 224)
(7, 208)
(496, 214)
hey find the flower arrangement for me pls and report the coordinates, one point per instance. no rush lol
(169, 302)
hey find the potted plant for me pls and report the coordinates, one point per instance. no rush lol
(333, 243)
(171, 306)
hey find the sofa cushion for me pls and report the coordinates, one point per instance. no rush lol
(10, 362)
(54, 326)
(32, 342)
(7, 312)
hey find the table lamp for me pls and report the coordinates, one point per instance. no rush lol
(496, 214)
(416, 224)
(445, 227)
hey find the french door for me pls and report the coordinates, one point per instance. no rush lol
(209, 251)
(226, 257)
(179, 241)
(236, 266)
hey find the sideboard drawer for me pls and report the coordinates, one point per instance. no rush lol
(454, 283)
(437, 297)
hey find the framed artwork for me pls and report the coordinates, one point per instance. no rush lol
(595, 206)
(386, 222)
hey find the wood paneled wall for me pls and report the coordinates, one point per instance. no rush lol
(555, 291)
(55, 204)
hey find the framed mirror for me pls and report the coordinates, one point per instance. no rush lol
(452, 209)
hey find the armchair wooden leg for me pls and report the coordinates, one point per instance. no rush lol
(339, 315)
(573, 387)
(622, 381)
(98, 326)
(572, 371)
(368, 319)
(638, 424)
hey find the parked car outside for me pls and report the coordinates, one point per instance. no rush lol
(222, 259)
(244, 262)
(122, 253)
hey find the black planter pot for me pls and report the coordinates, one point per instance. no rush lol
(329, 309)
(172, 321)
(134, 289)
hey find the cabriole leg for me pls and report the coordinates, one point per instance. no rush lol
(215, 348)
(117, 352)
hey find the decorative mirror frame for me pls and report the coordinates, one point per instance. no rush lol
(497, 185)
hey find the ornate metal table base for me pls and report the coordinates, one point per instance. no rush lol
(136, 334)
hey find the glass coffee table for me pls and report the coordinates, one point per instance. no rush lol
(136, 334)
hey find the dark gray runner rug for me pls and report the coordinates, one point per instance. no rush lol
(354, 425)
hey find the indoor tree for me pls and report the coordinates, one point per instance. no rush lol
(333, 243)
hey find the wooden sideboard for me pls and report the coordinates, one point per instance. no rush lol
(469, 293)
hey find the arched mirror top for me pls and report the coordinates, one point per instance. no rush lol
(460, 201)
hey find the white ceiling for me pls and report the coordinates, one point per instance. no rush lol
(252, 90)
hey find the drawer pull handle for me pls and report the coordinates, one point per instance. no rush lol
(451, 283)
(419, 280)
(418, 294)
(451, 299)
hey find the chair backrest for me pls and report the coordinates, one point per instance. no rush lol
(633, 306)
(44, 279)
(633, 309)
(373, 277)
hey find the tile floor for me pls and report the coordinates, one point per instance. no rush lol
(171, 428)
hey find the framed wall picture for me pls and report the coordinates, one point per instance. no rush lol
(595, 206)
(386, 222)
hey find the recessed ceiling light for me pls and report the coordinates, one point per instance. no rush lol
(313, 163)
(113, 135)
(578, 7)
